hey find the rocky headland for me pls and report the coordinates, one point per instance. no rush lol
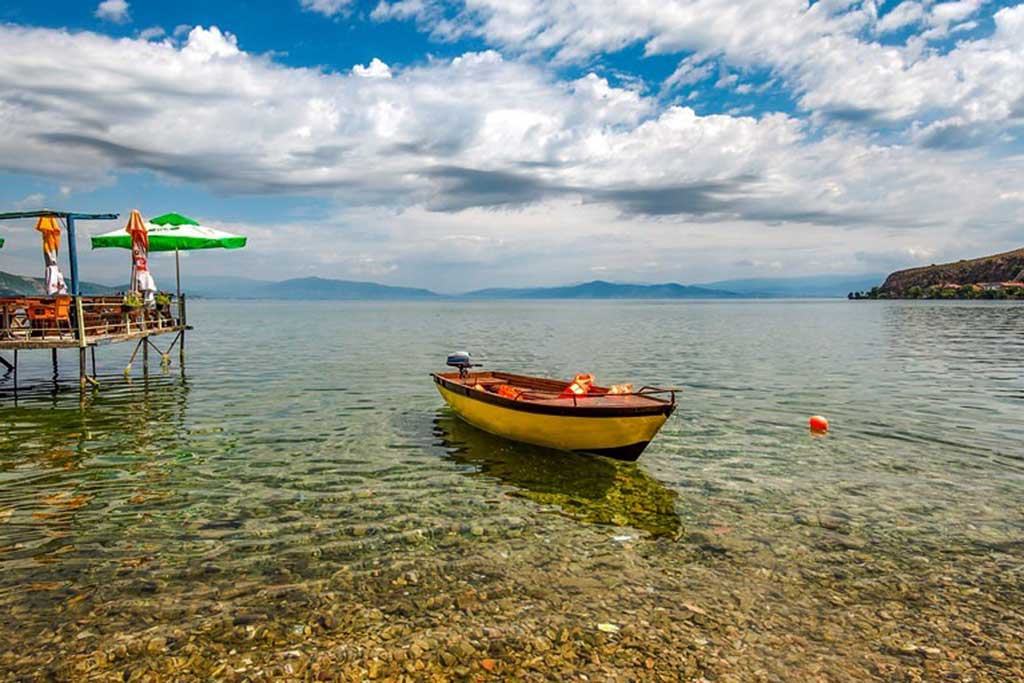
(999, 276)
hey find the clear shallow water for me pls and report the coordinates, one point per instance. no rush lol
(302, 490)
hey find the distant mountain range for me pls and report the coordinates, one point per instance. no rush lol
(599, 289)
(810, 287)
(315, 288)
(19, 285)
(321, 288)
(328, 289)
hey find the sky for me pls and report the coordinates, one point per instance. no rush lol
(476, 143)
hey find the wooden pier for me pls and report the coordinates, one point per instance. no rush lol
(85, 322)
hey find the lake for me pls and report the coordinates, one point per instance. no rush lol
(299, 505)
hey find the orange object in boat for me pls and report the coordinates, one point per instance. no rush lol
(620, 389)
(580, 386)
(509, 391)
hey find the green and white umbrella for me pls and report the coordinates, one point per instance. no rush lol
(173, 232)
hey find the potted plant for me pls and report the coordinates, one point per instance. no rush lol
(162, 300)
(132, 302)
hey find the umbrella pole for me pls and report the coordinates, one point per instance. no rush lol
(177, 272)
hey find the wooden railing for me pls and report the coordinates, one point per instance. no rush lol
(42, 319)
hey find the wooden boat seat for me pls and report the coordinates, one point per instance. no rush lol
(549, 392)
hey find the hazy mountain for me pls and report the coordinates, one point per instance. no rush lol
(222, 287)
(321, 288)
(599, 289)
(315, 288)
(19, 285)
(813, 286)
(217, 287)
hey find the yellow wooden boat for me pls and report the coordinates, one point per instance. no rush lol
(537, 411)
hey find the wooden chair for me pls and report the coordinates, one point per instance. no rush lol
(14, 320)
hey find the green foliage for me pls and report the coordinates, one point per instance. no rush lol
(132, 300)
(965, 292)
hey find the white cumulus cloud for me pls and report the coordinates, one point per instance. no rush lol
(822, 51)
(113, 10)
(375, 69)
(552, 173)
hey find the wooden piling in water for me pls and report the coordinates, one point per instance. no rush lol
(184, 326)
(80, 332)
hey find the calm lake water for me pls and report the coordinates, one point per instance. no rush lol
(300, 505)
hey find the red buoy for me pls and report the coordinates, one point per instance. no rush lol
(818, 424)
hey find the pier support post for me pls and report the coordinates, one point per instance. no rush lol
(53, 358)
(92, 351)
(80, 332)
(145, 356)
(184, 323)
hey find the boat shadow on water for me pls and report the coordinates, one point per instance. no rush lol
(587, 488)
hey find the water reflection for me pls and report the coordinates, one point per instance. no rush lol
(73, 467)
(590, 489)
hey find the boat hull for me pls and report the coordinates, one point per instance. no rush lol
(623, 437)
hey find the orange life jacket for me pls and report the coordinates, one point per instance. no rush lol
(580, 385)
(509, 391)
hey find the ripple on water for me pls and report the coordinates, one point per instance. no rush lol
(178, 496)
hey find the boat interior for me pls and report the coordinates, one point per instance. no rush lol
(556, 392)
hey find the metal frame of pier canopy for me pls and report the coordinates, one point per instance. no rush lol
(69, 220)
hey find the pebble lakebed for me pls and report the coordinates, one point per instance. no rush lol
(187, 529)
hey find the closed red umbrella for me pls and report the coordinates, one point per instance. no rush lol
(137, 229)
(142, 280)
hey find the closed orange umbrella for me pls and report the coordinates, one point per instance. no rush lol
(54, 279)
(50, 228)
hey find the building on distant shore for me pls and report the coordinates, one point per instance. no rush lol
(995, 286)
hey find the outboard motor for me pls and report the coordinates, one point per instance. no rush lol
(462, 361)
